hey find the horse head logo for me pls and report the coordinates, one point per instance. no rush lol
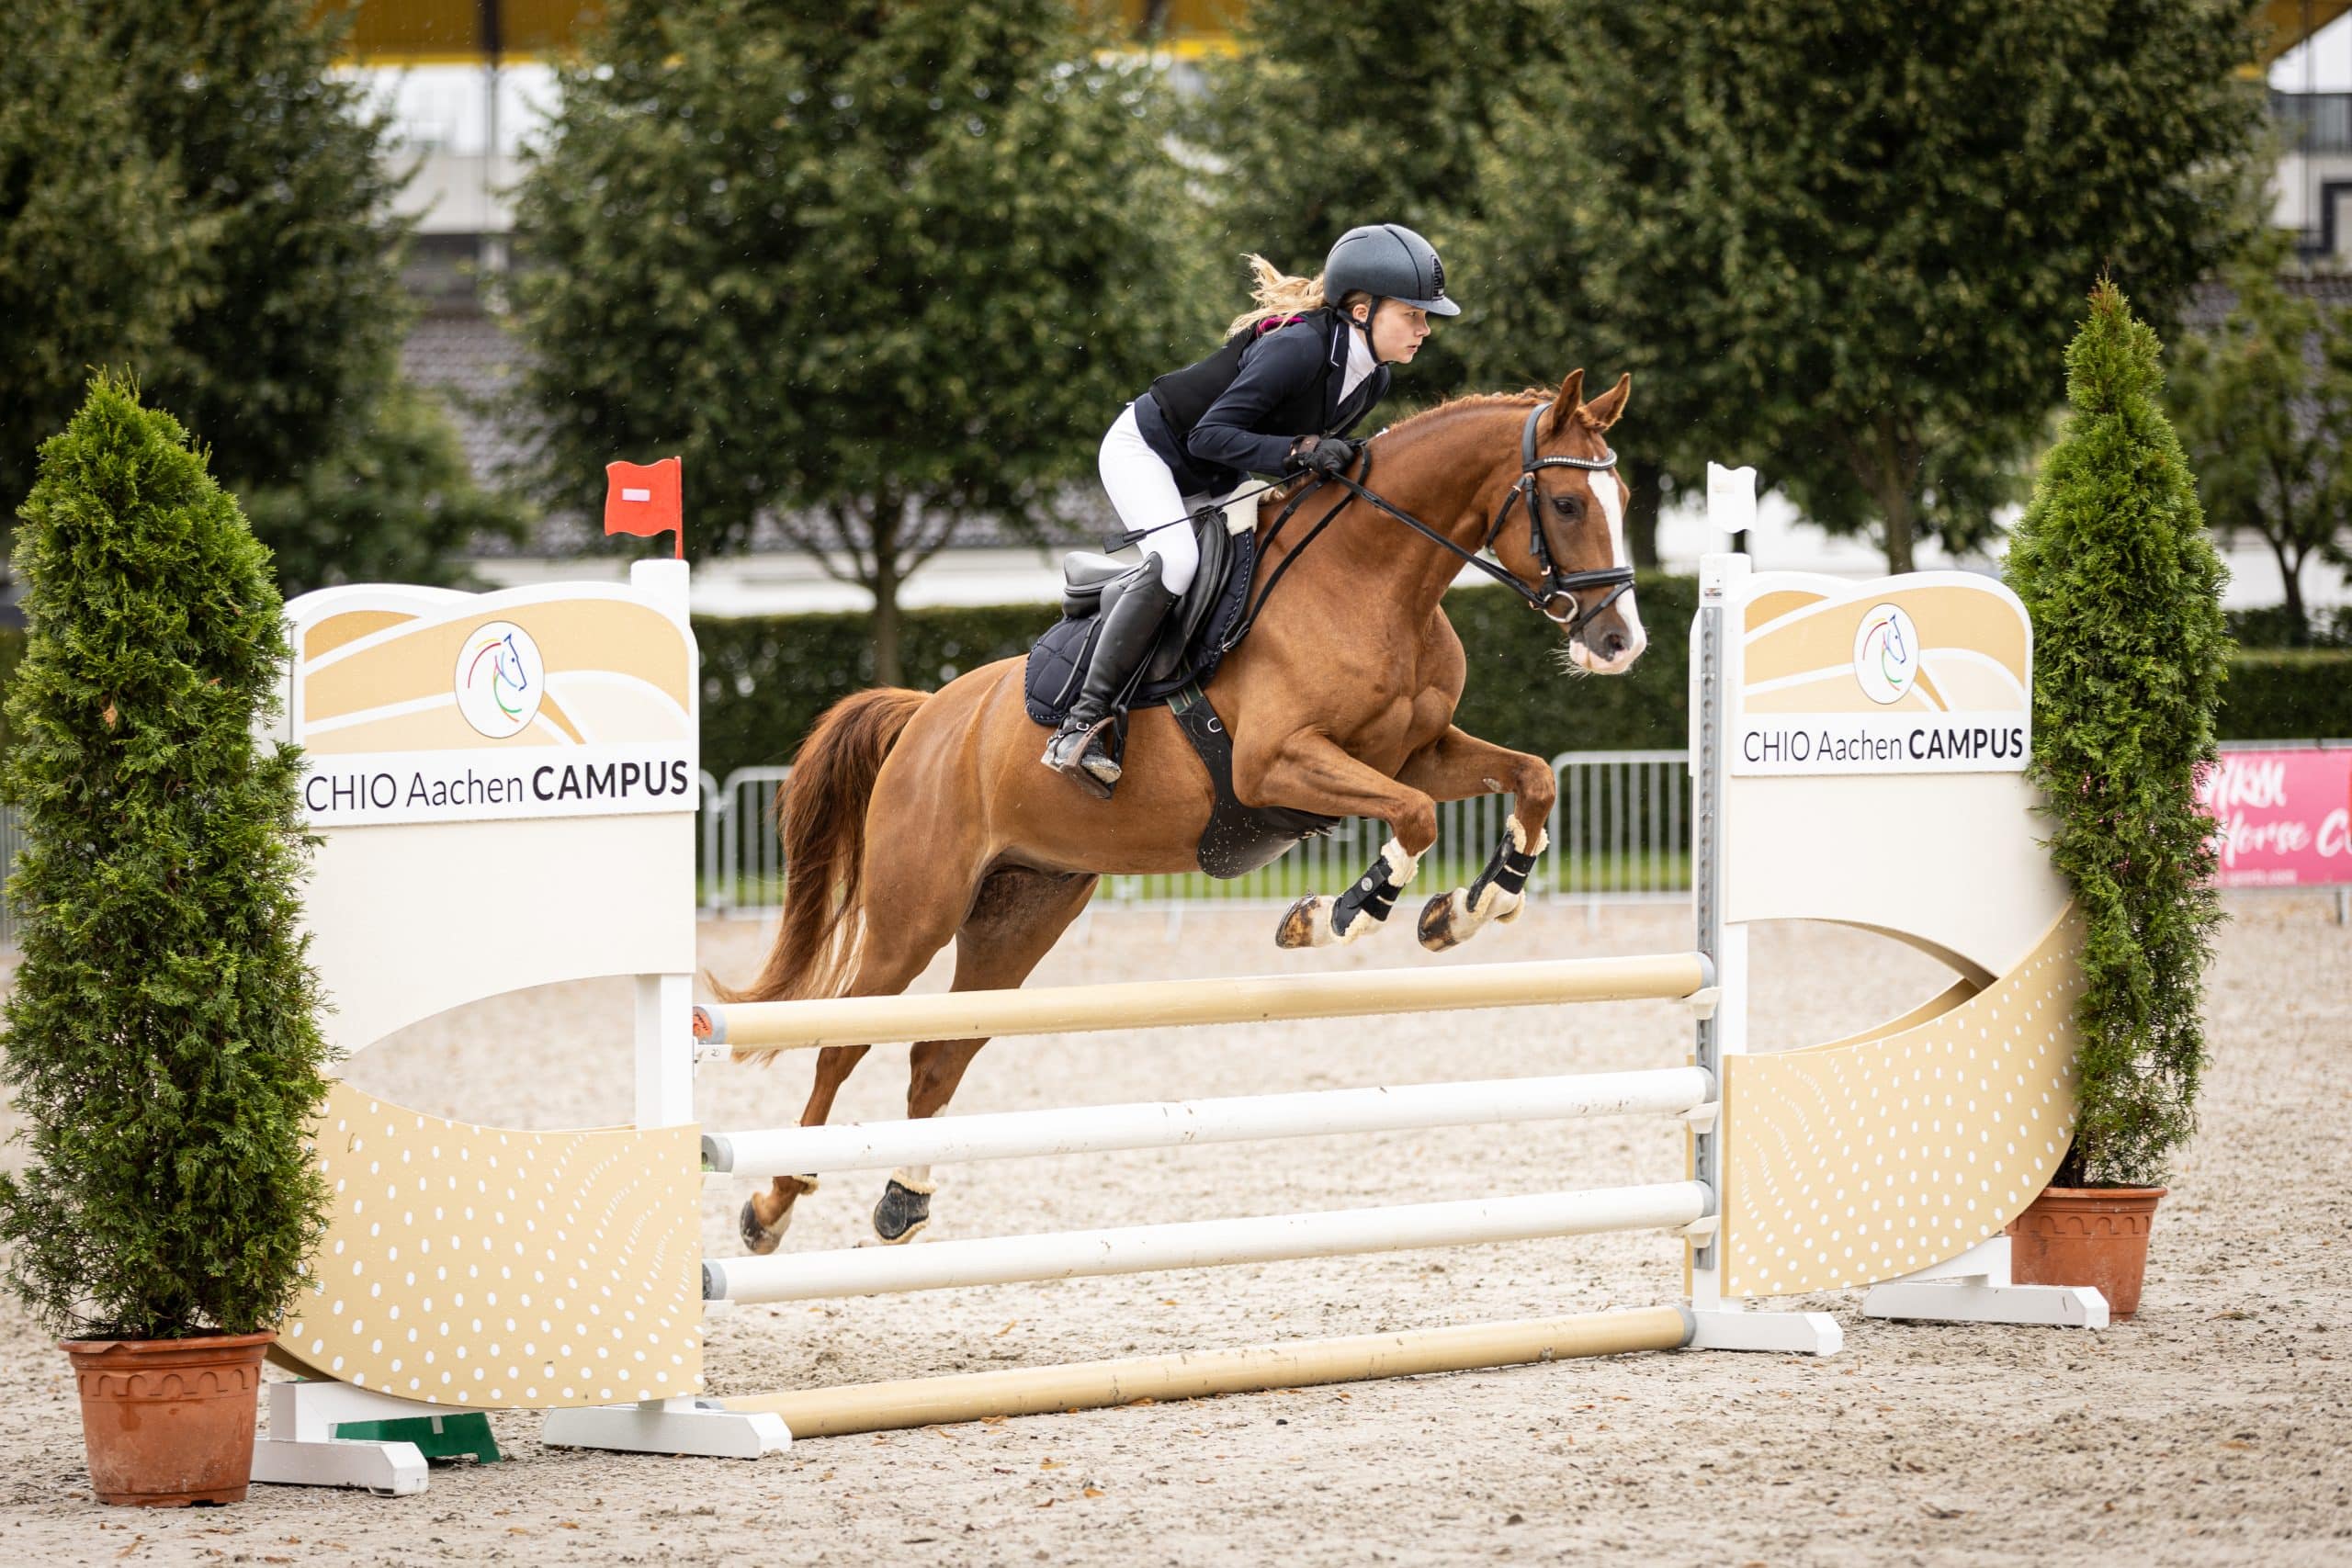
(1886, 654)
(500, 680)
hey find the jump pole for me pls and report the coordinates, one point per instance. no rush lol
(1200, 1244)
(1159, 1003)
(1088, 1385)
(1104, 1129)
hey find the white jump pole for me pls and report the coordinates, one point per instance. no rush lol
(1137, 1249)
(1011, 1134)
(1031, 1391)
(1156, 1004)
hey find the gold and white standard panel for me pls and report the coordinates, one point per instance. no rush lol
(505, 788)
(1869, 770)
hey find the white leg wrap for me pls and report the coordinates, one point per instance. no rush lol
(915, 1179)
(1401, 865)
(1494, 903)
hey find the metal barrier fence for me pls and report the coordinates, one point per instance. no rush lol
(1620, 831)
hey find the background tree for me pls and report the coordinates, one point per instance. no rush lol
(1838, 240)
(1332, 116)
(1535, 319)
(95, 259)
(2114, 563)
(298, 310)
(2264, 404)
(396, 503)
(190, 193)
(875, 269)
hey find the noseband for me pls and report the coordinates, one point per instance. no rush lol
(1557, 584)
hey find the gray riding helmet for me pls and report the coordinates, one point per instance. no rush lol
(1388, 261)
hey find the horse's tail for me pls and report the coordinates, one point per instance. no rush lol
(821, 818)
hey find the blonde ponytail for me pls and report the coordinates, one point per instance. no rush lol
(1278, 294)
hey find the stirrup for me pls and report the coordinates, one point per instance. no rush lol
(1081, 754)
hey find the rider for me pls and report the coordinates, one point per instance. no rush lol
(1293, 376)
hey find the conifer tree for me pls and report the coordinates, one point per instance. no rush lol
(161, 1042)
(2124, 588)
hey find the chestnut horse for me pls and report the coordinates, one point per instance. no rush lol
(912, 819)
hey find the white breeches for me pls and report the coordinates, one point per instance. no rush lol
(1145, 495)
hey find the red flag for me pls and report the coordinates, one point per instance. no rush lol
(645, 499)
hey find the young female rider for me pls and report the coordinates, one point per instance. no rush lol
(1293, 376)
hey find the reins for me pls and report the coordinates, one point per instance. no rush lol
(1557, 584)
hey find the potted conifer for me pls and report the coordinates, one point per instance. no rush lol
(162, 1040)
(2114, 564)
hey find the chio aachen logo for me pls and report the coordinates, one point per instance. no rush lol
(499, 678)
(1886, 654)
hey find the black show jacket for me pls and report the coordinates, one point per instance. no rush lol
(1238, 411)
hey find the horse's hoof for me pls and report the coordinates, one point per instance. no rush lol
(1307, 923)
(757, 1237)
(1444, 921)
(901, 1214)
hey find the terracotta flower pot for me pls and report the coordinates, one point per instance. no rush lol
(169, 1422)
(2087, 1236)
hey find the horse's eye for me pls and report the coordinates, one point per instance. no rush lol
(1568, 506)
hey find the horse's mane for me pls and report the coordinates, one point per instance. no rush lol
(1533, 395)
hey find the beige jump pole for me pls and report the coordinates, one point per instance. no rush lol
(1157, 1004)
(1085, 1385)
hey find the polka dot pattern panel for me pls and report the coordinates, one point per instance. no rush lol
(1850, 1163)
(500, 1269)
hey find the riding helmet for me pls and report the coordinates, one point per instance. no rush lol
(1388, 261)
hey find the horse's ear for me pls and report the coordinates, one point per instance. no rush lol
(1607, 409)
(1565, 406)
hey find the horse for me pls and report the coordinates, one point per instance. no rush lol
(912, 819)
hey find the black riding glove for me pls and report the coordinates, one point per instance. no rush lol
(1326, 454)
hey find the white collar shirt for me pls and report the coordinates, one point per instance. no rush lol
(1360, 363)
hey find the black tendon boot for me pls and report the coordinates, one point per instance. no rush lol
(1130, 627)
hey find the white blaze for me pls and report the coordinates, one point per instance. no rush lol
(1611, 491)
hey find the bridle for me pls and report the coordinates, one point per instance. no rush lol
(1557, 584)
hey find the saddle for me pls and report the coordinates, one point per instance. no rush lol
(1192, 640)
(1238, 839)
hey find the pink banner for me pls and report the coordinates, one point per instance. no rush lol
(2285, 814)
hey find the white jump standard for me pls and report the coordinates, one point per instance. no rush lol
(470, 1269)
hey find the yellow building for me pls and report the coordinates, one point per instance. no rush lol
(458, 33)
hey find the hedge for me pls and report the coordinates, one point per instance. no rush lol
(767, 678)
(2278, 695)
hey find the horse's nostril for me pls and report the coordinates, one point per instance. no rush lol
(1612, 646)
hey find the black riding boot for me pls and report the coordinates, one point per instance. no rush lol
(1130, 627)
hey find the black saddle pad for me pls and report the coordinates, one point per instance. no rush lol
(1057, 661)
